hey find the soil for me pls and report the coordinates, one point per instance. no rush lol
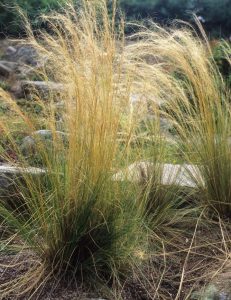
(186, 267)
(182, 267)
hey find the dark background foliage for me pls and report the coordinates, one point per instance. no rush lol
(215, 14)
(10, 21)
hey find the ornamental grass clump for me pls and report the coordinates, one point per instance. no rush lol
(197, 101)
(170, 206)
(78, 221)
(202, 110)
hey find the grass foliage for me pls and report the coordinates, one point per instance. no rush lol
(198, 102)
(77, 220)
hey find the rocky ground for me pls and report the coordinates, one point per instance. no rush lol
(19, 66)
(198, 266)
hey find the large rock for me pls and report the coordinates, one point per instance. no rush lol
(25, 58)
(29, 143)
(10, 51)
(9, 173)
(16, 89)
(141, 105)
(215, 290)
(7, 68)
(4, 70)
(23, 54)
(145, 109)
(18, 70)
(8, 170)
(44, 88)
(183, 175)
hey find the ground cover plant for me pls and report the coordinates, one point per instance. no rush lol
(71, 221)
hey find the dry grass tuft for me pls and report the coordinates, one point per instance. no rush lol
(80, 223)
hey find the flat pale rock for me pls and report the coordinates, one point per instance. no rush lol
(5, 70)
(9, 173)
(42, 86)
(183, 175)
(23, 54)
(29, 143)
(7, 169)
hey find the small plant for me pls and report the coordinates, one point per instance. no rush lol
(4, 85)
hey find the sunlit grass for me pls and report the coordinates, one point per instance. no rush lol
(79, 222)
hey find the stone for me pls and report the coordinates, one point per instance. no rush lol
(93, 299)
(5, 71)
(27, 54)
(11, 50)
(16, 170)
(9, 173)
(211, 292)
(10, 64)
(28, 145)
(24, 54)
(17, 90)
(141, 105)
(42, 87)
(8, 68)
(26, 58)
(181, 175)
(60, 105)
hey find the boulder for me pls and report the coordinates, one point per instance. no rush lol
(17, 90)
(44, 88)
(23, 54)
(11, 178)
(182, 175)
(211, 292)
(9, 173)
(29, 143)
(8, 68)
(5, 70)
(26, 59)
(10, 51)
(146, 99)
(10, 64)
(8, 170)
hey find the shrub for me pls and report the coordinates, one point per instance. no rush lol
(10, 20)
